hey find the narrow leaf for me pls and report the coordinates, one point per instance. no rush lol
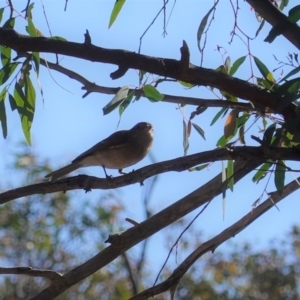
(185, 138)
(230, 173)
(268, 135)
(263, 69)
(1, 13)
(279, 176)
(5, 55)
(3, 118)
(199, 130)
(116, 100)
(262, 171)
(223, 111)
(202, 26)
(7, 71)
(199, 168)
(125, 103)
(116, 9)
(236, 65)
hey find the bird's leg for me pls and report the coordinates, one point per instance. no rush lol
(121, 172)
(107, 176)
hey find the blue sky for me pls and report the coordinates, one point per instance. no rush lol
(65, 125)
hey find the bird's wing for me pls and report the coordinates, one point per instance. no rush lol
(117, 139)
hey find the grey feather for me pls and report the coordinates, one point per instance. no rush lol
(63, 171)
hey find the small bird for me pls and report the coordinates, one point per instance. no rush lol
(122, 149)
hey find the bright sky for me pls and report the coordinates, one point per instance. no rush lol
(65, 125)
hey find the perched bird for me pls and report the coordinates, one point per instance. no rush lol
(120, 150)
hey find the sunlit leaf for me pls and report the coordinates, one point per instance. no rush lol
(7, 71)
(279, 176)
(263, 69)
(186, 84)
(5, 55)
(230, 123)
(3, 119)
(152, 93)
(283, 4)
(236, 65)
(10, 23)
(116, 100)
(116, 9)
(30, 93)
(58, 38)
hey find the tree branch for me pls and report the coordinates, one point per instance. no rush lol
(32, 272)
(124, 241)
(275, 17)
(160, 66)
(87, 183)
(92, 87)
(213, 243)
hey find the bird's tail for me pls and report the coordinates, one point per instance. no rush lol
(62, 172)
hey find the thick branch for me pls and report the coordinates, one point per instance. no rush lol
(213, 243)
(275, 17)
(179, 164)
(160, 66)
(129, 238)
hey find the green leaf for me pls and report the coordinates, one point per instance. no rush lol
(236, 65)
(5, 55)
(58, 38)
(36, 61)
(25, 109)
(264, 70)
(291, 73)
(199, 130)
(116, 100)
(152, 93)
(261, 25)
(30, 93)
(223, 111)
(294, 14)
(12, 102)
(125, 103)
(283, 4)
(10, 23)
(279, 176)
(185, 138)
(7, 71)
(268, 135)
(1, 13)
(29, 9)
(222, 141)
(3, 118)
(262, 171)
(199, 168)
(116, 9)
(186, 84)
(230, 173)
(202, 26)
(30, 28)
